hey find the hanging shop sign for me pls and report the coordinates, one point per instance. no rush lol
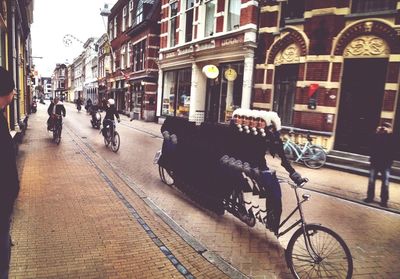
(211, 71)
(230, 74)
(312, 89)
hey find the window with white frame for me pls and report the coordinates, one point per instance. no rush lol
(189, 13)
(172, 24)
(233, 14)
(128, 55)
(110, 30)
(124, 17)
(139, 12)
(209, 18)
(115, 27)
(123, 57)
(130, 13)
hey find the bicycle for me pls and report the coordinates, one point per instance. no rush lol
(315, 248)
(313, 156)
(111, 136)
(57, 128)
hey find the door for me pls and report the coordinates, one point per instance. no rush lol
(284, 91)
(361, 100)
(212, 100)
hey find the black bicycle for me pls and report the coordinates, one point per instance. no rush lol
(111, 136)
(57, 128)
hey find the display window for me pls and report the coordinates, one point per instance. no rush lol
(176, 93)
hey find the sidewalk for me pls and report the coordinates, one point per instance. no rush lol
(75, 217)
(349, 186)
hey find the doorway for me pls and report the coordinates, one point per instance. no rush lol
(361, 98)
(284, 91)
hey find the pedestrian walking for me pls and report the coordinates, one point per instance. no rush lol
(9, 183)
(381, 159)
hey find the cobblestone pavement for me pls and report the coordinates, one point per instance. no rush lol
(74, 218)
(371, 234)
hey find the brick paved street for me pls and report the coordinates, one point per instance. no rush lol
(372, 234)
(70, 222)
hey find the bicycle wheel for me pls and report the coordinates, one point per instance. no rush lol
(288, 152)
(115, 142)
(332, 257)
(314, 157)
(166, 176)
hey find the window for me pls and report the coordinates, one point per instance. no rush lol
(123, 57)
(128, 55)
(172, 23)
(209, 22)
(124, 17)
(138, 56)
(293, 9)
(176, 92)
(233, 14)
(115, 27)
(365, 6)
(189, 20)
(130, 13)
(139, 12)
(110, 30)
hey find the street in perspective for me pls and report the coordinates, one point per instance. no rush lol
(200, 139)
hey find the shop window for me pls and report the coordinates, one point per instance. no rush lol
(176, 93)
(293, 9)
(172, 22)
(234, 14)
(209, 22)
(365, 6)
(189, 20)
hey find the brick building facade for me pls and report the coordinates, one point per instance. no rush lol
(330, 67)
(134, 34)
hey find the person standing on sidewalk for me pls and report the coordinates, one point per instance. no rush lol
(381, 159)
(9, 183)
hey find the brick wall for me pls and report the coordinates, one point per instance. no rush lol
(317, 71)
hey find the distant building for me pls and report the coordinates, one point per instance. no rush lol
(47, 87)
(59, 81)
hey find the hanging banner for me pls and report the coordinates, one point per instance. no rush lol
(312, 89)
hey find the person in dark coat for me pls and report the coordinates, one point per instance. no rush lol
(111, 111)
(381, 159)
(9, 183)
(55, 108)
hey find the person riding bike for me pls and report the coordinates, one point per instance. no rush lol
(55, 108)
(111, 111)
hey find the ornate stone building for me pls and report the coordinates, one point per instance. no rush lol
(330, 67)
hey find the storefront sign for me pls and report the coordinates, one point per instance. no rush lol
(230, 74)
(211, 71)
(231, 41)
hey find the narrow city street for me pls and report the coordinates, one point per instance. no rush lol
(85, 211)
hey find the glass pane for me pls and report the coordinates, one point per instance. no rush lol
(189, 25)
(183, 101)
(234, 14)
(169, 93)
(209, 24)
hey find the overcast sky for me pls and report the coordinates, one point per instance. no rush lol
(54, 19)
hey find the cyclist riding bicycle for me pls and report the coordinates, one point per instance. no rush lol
(111, 111)
(56, 108)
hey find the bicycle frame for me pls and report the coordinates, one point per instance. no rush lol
(301, 221)
(299, 156)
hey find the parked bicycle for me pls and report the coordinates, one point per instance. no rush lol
(313, 156)
(57, 129)
(111, 136)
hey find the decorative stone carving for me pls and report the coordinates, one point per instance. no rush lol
(290, 55)
(367, 45)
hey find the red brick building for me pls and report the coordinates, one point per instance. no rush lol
(331, 67)
(133, 31)
(206, 59)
